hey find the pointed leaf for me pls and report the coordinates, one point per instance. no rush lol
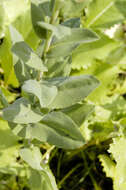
(79, 112)
(59, 31)
(58, 129)
(44, 91)
(25, 54)
(32, 156)
(21, 112)
(38, 14)
(68, 43)
(72, 89)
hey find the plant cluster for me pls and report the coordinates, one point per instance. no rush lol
(62, 94)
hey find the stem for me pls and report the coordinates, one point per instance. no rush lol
(68, 175)
(49, 35)
(48, 152)
(96, 186)
(59, 164)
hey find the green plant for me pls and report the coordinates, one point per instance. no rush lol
(68, 70)
(45, 112)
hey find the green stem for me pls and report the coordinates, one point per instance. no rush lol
(96, 186)
(49, 35)
(68, 175)
(48, 152)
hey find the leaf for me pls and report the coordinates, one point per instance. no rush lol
(18, 18)
(24, 72)
(3, 99)
(72, 23)
(7, 61)
(2, 20)
(58, 67)
(103, 14)
(59, 31)
(100, 69)
(25, 54)
(117, 149)
(72, 90)
(108, 165)
(9, 148)
(42, 90)
(85, 54)
(32, 156)
(56, 119)
(38, 13)
(42, 180)
(21, 112)
(68, 43)
(79, 112)
(73, 8)
(58, 129)
(15, 35)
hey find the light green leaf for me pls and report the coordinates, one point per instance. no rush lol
(2, 20)
(117, 149)
(73, 8)
(25, 54)
(32, 156)
(104, 13)
(7, 61)
(9, 148)
(21, 112)
(84, 55)
(108, 165)
(42, 90)
(72, 89)
(58, 129)
(68, 43)
(17, 17)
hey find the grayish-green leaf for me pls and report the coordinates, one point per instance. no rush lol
(24, 72)
(42, 90)
(58, 67)
(68, 43)
(21, 112)
(25, 54)
(59, 31)
(72, 89)
(61, 122)
(58, 129)
(79, 112)
(72, 23)
(42, 180)
(3, 99)
(39, 11)
(15, 35)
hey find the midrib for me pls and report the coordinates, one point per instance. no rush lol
(100, 14)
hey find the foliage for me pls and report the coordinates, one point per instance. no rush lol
(62, 94)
